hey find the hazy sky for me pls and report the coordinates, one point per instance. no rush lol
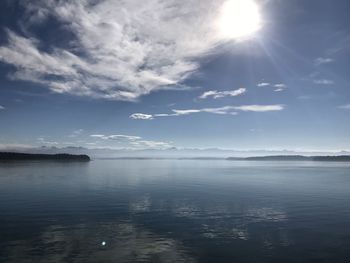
(163, 73)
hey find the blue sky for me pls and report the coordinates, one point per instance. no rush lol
(159, 74)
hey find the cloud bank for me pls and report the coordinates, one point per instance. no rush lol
(120, 50)
(134, 142)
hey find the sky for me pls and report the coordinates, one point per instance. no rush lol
(156, 74)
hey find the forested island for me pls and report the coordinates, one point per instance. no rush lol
(13, 156)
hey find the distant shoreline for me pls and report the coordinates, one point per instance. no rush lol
(14, 156)
(340, 158)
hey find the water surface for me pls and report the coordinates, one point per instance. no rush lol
(174, 211)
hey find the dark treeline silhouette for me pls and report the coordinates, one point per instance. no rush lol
(12, 156)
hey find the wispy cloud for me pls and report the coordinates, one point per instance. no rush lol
(220, 110)
(221, 94)
(321, 60)
(263, 84)
(44, 141)
(141, 116)
(121, 49)
(76, 133)
(2, 107)
(341, 46)
(133, 141)
(345, 107)
(280, 87)
(115, 137)
(226, 110)
(261, 108)
(151, 144)
(323, 82)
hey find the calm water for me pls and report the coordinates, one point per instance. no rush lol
(174, 211)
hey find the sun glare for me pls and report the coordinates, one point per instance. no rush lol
(239, 19)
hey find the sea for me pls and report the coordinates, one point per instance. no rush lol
(174, 211)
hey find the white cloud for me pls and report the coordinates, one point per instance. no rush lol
(323, 82)
(2, 107)
(141, 116)
(345, 107)
(220, 111)
(226, 110)
(97, 136)
(261, 108)
(321, 60)
(121, 50)
(221, 94)
(263, 84)
(280, 86)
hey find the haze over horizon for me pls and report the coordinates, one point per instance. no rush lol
(159, 75)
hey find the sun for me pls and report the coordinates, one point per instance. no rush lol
(239, 19)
